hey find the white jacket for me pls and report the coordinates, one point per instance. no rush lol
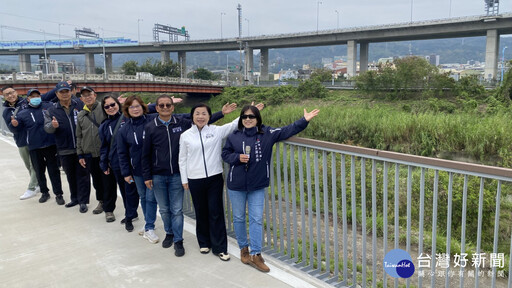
(200, 151)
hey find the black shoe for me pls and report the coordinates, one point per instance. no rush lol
(124, 220)
(178, 249)
(168, 240)
(128, 225)
(83, 208)
(71, 204)
(44, 197)
(59, 200)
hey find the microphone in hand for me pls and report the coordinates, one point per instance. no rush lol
(248, 153)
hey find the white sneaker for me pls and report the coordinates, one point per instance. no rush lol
(38, 189)
(28, 194)
(141, 231)
(151, 236)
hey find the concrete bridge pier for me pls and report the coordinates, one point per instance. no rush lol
(491, 54)
(89, 63)
(25, 65)
(108, 62)
(249, 63)
(264, 64)
(165, 57)
(182, 61)
(351, 58)
(363, 57)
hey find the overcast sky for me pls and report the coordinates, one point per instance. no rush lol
(202, 18)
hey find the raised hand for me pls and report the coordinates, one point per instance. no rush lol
(55, 123)
(176, 100)
(260, 105)
(14, 122)
(310, 115)
(228, 108)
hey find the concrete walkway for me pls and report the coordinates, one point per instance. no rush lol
(46, 245)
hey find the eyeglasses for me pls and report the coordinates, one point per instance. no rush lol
(249, 116)
(164, 105)
(134, 107)
(9, 93)
(108, 106)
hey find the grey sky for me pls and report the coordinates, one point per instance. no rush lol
(202, 18)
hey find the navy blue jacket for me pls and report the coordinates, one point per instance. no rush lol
(20, 136)
(108, 150)
(65, 134)
(161, 144)
(31, 119)
(129, 145)
(256, 174)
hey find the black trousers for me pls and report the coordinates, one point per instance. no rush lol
(70, 165)
(46, 158)
(210, 225)
(92, 169)
(109, 191)
(129, 194)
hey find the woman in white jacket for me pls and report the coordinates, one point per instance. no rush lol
(201, 172)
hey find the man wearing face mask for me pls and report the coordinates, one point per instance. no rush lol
(60, 120)
(43, 152)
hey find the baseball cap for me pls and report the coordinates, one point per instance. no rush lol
(63, 85)
(32, 91)
(86, 88)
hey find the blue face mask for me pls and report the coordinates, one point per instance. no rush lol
(35, 101)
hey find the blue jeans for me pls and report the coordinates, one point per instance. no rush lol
(147, 201)
(169, 196)
(254, 200)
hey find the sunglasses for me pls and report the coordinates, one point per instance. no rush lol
(250, 116)
(108, 106)
(164, 105)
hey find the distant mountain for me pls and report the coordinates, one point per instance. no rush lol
(458, 50)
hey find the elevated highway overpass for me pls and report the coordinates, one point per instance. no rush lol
(490, 26)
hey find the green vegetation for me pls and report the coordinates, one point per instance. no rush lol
(157, 68)
(204, 74)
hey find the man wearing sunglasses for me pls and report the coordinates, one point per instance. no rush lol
(160, 167)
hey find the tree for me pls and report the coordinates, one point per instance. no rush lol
(204, 74)
(130, 67)
(99, 70)
(322, 75)
(157, 68)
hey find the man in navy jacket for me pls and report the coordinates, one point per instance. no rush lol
(43, 152)
(60, 120)
(12, 105)
(160, 168)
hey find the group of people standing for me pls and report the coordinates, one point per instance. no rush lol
(153, 156)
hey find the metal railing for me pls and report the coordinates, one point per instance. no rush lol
(13, 78)
(334, 211)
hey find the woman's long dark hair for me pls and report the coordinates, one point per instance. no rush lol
(256, 113)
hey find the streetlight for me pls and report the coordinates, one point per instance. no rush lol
(104, 55)
(221, 13)
(337, 19)
(503, 62)
(411, 11)
(45, 56)
(450, 13)
(60, 24)
(248, 34)
(138, 29)
(317, 13)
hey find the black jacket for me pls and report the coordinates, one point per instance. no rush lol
(65, 134)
